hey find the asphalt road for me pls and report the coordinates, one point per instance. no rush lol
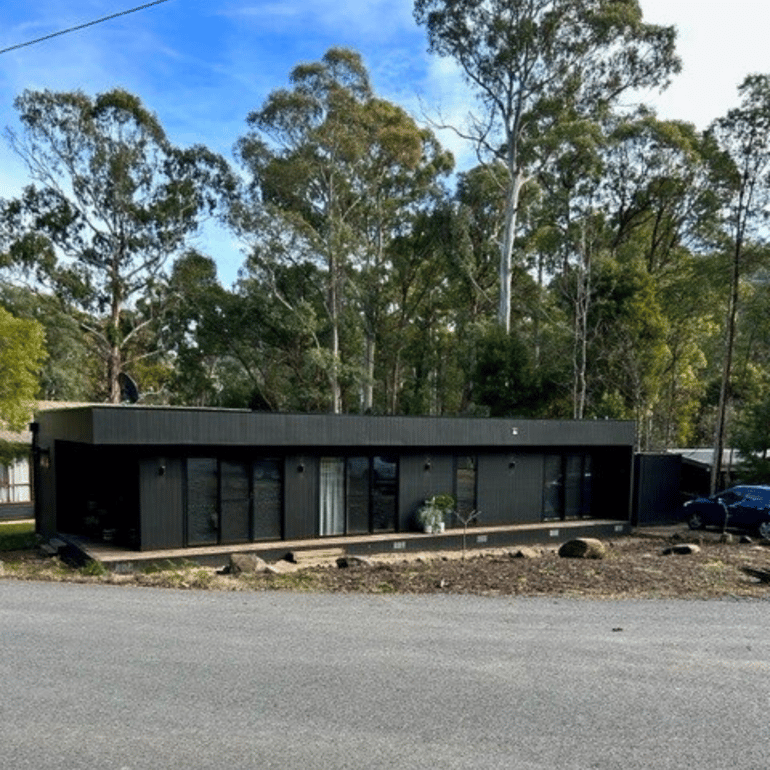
(112, 678)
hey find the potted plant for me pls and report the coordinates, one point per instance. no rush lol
(432, 514)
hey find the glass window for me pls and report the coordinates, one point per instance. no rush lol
(586, 495)
(567, 486)
(465, 485)
(234, 500)
(573, 486)
(553, 487)
(358, 494)
(384, 492)
(332, 496)
(268, 494)
(202, 518)
(15, 484)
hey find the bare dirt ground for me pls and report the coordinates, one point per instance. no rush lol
(633, 567)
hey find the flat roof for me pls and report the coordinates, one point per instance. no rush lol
(112, 425)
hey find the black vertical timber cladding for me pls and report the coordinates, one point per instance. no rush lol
(527, 472)
(144, 426)
(510, 488)
(161, 503)
(422, 475)
(509, 478)
(657, 480)
(300, 497)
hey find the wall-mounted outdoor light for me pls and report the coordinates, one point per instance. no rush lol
(43, 456)
(301, 468)
(512, 464)
(427, 464)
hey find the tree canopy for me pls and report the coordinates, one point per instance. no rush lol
(112, 200)
(597, 261)
(22, 351)
(536, 67)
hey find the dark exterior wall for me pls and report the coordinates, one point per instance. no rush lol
(301, 497)
(148, 426)
(17, 510)
(510, 488)
(422, 475)
(45, 495)
(656, 488)
(161, 502)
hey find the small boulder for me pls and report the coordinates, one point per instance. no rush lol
(525, 552)
(583, 548)
(761, 575)
(682, 549)
(246, 564)
(353, 561)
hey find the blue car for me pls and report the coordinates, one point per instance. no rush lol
(742, 507)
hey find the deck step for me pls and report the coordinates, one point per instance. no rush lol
(314, 554)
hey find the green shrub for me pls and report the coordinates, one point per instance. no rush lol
(93, 568)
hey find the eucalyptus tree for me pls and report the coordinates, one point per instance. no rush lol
(239, 347)
(572, 231)
(658, 189)
(336, 175)
(663, 215)
(111, 201)
(536, 64)
(401, 176)
(743, 177)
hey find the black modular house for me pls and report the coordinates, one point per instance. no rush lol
(151, 478)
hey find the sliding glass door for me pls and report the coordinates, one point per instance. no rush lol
(233, 500)
(357, 495)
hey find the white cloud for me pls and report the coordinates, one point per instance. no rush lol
(719, 45)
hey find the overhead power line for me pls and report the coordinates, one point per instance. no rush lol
(82, 26)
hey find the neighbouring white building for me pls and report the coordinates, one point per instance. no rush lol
(16, 480)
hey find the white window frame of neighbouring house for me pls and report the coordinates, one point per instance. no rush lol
(15, 482)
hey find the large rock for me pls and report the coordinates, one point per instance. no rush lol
(246, 564)
(583, 548)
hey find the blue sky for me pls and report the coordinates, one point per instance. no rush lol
(202, 65)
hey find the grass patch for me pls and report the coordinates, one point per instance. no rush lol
(17, 535)
(93, 568)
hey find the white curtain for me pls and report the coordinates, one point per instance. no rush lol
(332, 494)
